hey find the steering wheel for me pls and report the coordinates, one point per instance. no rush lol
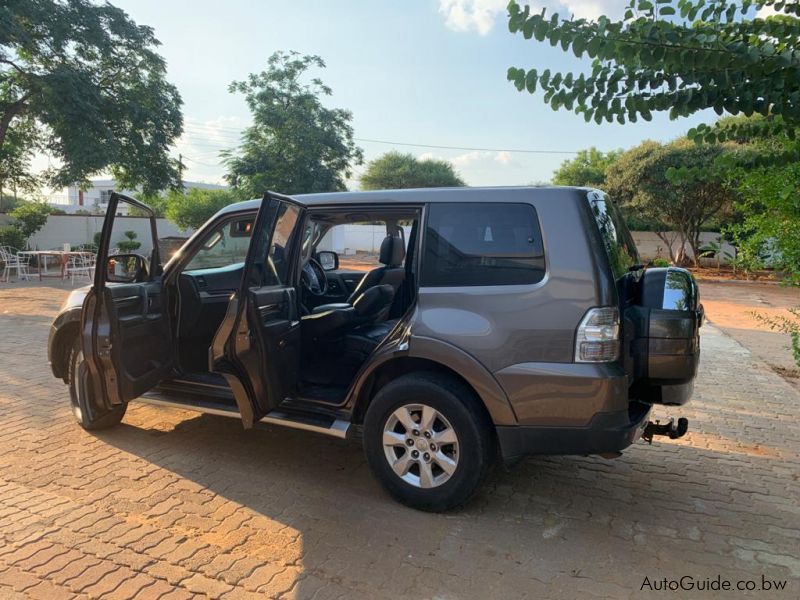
(313, 278)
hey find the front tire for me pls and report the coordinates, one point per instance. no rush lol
(81, 413)
(428, 441)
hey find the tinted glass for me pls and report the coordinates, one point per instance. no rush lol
(482, 244)
(282, 241)
(223, 246)
(618, 241)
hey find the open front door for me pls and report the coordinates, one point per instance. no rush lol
(125, 333)
(257, 346)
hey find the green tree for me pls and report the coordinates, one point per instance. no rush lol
(89, 77)
(156, 201)
(587, 169)
(296, 144)
(675, 56)
(395, 170)
(30, 217)
(16, 153)
(769, 209)
(194, 207)
(681, 207)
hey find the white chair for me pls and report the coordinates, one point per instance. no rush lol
(81, 265)
(12, 260)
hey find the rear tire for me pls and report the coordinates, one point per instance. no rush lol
(411, 467)
(77, 404)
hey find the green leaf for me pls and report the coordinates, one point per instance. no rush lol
(530, 81)
(578, 46)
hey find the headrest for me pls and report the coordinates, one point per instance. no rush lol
(393, 251)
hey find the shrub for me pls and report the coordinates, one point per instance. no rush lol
(12, 236)
(30, 217)
(790, 325)
(130, 244)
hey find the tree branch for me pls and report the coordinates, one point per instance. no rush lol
(12, 111)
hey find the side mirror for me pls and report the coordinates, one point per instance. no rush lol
(328, 260)
(126, 268)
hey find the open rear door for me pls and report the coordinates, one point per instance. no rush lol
(257, 346)
(125, 333)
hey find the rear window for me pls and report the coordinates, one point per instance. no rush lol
(482, 244)
(617, 239)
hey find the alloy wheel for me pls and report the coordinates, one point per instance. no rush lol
(420, 445)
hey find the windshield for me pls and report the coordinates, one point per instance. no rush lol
(617, 239)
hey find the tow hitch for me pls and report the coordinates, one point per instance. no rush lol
(670, 428)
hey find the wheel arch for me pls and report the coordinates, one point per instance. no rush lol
(428, 354)
(64, 331)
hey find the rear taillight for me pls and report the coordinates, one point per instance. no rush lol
(598, 336)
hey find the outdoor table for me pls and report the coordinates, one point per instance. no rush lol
(41, 263)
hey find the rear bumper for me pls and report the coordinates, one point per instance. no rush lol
(606, 432)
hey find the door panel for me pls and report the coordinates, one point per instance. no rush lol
(204, 297)
(257, 346)
(274, 367)
(125, 337)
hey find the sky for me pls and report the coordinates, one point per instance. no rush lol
(411, 71)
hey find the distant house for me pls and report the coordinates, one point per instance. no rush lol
(96, 197)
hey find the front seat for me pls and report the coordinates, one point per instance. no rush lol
(332, 320)
(393, 251)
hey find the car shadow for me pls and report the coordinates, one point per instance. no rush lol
(537, 525)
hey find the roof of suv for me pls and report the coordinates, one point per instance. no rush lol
(422, 195)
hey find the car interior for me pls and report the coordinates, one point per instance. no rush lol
(347, 304)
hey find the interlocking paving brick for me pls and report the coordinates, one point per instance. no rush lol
(172, 504)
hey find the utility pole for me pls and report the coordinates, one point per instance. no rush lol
(180, 169)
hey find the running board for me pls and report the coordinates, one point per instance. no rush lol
(332, 427)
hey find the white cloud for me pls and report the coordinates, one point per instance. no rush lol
(201, 143)
(504, 157)
(480, 167)
(480, 158)
(481, 15)
(767, 11)
(592, 9)
(469, 15)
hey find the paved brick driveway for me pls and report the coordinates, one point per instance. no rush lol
(172, 504)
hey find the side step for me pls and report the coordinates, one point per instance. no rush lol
(326, 426)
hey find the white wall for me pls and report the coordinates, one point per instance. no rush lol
(345, 240)
(349, 239)
(651, 246)
(80, 229)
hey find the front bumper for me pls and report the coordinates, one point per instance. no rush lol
(606, 432)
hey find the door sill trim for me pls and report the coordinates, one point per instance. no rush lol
(337, 428)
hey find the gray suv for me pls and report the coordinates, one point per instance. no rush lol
(496, 322)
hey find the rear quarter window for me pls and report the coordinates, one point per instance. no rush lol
(482, 244)
(617, 239)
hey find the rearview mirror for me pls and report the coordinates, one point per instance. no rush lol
(126, 268)
(328, 260)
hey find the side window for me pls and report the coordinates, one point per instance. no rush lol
(482, 244)
(282, 237)
(225, 245)
(358, 244)
(618, 242)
